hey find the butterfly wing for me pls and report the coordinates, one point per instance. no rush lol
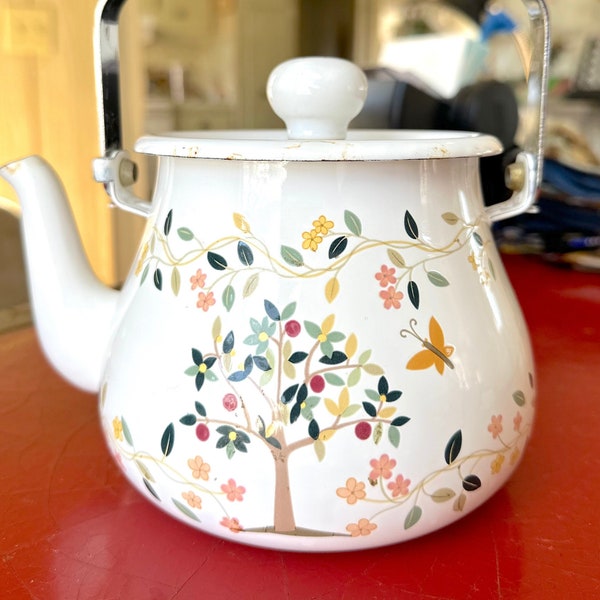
(421, 360)
(436, 335)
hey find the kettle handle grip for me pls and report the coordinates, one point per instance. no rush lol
(525, 174)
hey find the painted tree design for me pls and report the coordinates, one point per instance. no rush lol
(300, 364)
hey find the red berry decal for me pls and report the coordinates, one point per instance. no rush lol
(363, 430)
(202, 432)
(230, 402)
(292, 328)
(317, 384)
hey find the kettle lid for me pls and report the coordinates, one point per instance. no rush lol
(317, 97)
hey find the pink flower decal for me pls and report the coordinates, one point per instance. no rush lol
(495, 426)
(205, 301)
(386, 276)
(232, 524)
(517, 421)
(234, 492)
(382, 467)
(399, 487)
(198, 280)
(391, 297)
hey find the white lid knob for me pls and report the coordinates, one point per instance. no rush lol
(317, 97)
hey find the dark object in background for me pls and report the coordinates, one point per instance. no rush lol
(487, 107)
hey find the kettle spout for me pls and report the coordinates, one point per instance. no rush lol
(74, 313)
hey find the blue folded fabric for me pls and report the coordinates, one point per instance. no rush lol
(570, 181)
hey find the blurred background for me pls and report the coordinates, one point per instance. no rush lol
(203, 64)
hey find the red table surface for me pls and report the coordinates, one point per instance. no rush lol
(72, 527)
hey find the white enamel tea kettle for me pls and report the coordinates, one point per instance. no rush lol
(317, 347)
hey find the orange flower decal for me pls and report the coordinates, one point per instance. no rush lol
(382, 467)
(354, 491)
(192, 499)
(399, 487)
(205, 301)
(363, 527)
(391, 297)
(200, 469)
(495, 426)
(232, 524)
(234, 492)
(386, 276)
(198, 280)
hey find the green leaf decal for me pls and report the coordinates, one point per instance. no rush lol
(295, 412)
(410, 226)
(312, 329)
(450, 218)
(200, 409)
(262, 363)
(250, 285)
(396, 258)
(443, 495)
(289, 394)
(228, 343)
(168, 221)
(413, 294)
(394, 436)
(453, 447)
(175, 280)
(413, 516)
(519, 398)
(288, 311)
(471, 483)
(150, 489)
(291, 256)
(319, 447)
(338, 246)
(399, 421)
(228, 297)
(352, 222)
(158, 279)
(144, 274)
(298, 357)
(437, 279)
(333, 379)
(216, 261)
(185, 510)
(245, 254)
(354, 377)
(477, 238)
(126, 432)
(167, 440)
(185, 234)
(335, 358)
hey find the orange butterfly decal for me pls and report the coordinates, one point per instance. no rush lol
(435, 354)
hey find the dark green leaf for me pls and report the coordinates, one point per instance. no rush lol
(240, 445)
(199, 380)
(471, 483)
(399, 421)
(261, 363)
(216, 261)
(200, 409)
(413, 516)
(410, 226)
(245, 254)
(272, 311)
(197, 357)
(302, 394)
(168, 221)
(291, 256)
(313, 430)
(453, 447)
(298, 357)
(289, 394)
(382, 386)
(185, 234)
(338, 246)
(336, 358)
(188, 420)
(519, 398)
(222, 442)
(209, 361)
(477, 238)
(352, 222)
(370, 409)
(413, 293)
(295, 412)
(158, 279)
(393, 396)
(274, 442)
(228, 343)
(168, 439)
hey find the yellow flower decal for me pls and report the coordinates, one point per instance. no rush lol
(117, 429)
(322, 225)
(311, 240)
